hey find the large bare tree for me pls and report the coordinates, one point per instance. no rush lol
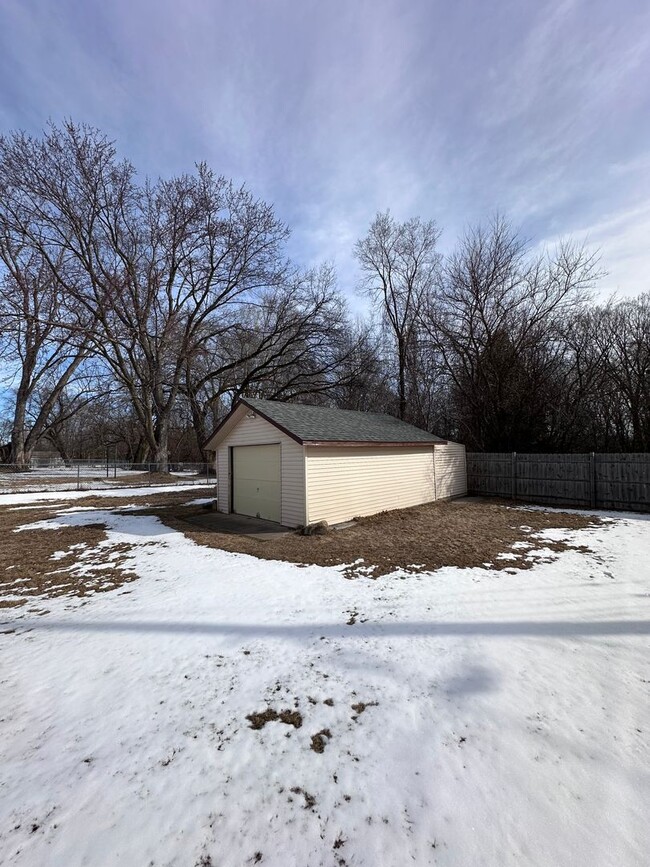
(163, 264)
(497, 321)
(43, 347)
(294, 342)
(399, 264)
(623, 341)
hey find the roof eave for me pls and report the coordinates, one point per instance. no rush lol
(408, 443)
(241, 401)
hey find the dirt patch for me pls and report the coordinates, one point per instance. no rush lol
(310, 800)
(361, 706)
(319, 740)
(457, 533)
(460, 533)
(288, 717)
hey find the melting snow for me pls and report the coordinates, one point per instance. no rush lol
(461, 717)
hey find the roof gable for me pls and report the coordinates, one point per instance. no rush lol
(319, 424)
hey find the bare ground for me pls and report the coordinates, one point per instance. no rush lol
(451, 533)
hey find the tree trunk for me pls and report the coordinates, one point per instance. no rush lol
(401, 359)
(161, 452)
(58, 443)
(141, 454)
(161, 458)
(199, 425)
(18, 454)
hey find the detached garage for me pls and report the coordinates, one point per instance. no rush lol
(297, 464)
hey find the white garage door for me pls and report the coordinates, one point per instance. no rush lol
(256, 487)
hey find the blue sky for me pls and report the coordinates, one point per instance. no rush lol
(448, 109)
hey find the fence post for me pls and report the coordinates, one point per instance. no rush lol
(78, 477)
(592, 480)
(514, 475)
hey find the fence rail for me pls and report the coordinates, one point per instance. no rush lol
(90, 475)
(596, 481)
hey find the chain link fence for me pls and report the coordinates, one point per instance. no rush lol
(90, 475)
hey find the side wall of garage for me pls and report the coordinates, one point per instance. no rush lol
(257, 431)
(451, 471)
(345, 482)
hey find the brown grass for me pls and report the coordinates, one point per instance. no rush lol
(289, 717)
(28, 568)
(453, 533)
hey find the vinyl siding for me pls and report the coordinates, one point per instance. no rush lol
(451, 471)
(346, 482)
(257, 431)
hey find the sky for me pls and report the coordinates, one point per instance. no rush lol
(333, 110)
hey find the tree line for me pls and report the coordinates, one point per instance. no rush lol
(133, 313)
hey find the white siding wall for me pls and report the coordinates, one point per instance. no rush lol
(257, 431)
(346, 482)
(451, 471)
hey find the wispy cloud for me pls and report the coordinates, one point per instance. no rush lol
(621, 238)
(335, 110)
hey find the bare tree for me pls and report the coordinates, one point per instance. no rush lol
(136, 311)
(496, 322)
(623, 339)
(42, 344)
(294, 342)
(163, 264)
(399, 265)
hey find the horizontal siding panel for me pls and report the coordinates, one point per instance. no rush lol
(451, 470)
(345, 483)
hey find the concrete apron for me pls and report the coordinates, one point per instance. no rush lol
(239, 525)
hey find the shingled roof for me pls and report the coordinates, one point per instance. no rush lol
(324, 424)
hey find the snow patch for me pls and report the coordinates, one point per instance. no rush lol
(464, 717)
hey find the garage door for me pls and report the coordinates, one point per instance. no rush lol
(256, 482)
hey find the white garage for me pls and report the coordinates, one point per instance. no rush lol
(296, 464)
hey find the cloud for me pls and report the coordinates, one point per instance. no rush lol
(622, 239)
(336, 110)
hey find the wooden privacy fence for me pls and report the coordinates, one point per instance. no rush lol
(596, 481)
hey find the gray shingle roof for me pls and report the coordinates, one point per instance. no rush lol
(327, 424)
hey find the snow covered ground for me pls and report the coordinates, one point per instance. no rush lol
(68, 496)
(86, 478)
(465, 717)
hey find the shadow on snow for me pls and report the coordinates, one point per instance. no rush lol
(524, 628)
